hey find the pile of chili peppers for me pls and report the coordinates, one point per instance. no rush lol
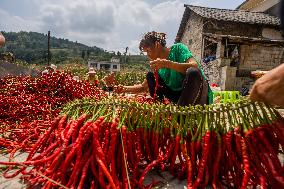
(114, 143)
(26, 101)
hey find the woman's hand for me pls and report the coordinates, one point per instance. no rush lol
(118, 89)
(159, 63)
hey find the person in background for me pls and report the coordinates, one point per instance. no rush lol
(270, 87)
(49, 69)
(180, 78)
(93, 77)
(2, 40)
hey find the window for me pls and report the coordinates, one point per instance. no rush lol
(115, 67)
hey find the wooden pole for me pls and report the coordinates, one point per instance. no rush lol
(48, 48)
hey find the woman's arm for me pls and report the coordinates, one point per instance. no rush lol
(135, 89)
(179, 67)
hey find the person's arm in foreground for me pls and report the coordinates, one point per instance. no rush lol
(2, 40)
(270, 87)
(163, 63)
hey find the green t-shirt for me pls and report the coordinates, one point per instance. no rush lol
(179, 53)
(173, 79)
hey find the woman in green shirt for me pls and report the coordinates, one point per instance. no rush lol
(180, 77)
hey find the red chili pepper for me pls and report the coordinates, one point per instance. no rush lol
(106, 172)
(216, 164)
(44, 137)
(84, 174)
(202, 164)
(156, 162)
(174, 156)
(189, 167)
(124, 155)
(148, 153)
(112, 155)
(247, 169)
(138, 155)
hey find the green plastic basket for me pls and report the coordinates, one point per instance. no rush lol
(227, 96)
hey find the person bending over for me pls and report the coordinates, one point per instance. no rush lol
(180, 77)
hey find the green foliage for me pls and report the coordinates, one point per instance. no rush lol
(32, 48)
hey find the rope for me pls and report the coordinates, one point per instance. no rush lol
(124, 158)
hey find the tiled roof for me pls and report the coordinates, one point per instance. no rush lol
(235, 15)
(227, 15)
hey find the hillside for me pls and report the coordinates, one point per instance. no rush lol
(32, 47)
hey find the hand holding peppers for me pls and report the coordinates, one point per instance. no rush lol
(118, 89)
(159, 63)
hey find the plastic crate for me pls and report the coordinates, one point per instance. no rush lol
(226, 96)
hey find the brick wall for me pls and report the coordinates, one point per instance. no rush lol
(192, 36)
(261, 56)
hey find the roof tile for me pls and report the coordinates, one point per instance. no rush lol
(235, 15)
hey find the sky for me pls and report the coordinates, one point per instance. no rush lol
(110, 24)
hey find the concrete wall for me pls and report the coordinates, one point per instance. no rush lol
(192, 36)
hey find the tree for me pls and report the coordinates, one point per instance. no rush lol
(88, 54)
(83, 54)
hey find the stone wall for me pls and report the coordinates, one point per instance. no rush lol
(261, 56)
(212, 71)
(192, 36)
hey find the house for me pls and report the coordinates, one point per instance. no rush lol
(235, 41)
(112, 66)
(271, 7)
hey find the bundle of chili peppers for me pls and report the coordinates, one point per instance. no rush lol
(26, 100)
(114, 143)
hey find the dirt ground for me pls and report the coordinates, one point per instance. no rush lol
(168, 182)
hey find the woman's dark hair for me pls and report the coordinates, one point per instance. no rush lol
(150, 38)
